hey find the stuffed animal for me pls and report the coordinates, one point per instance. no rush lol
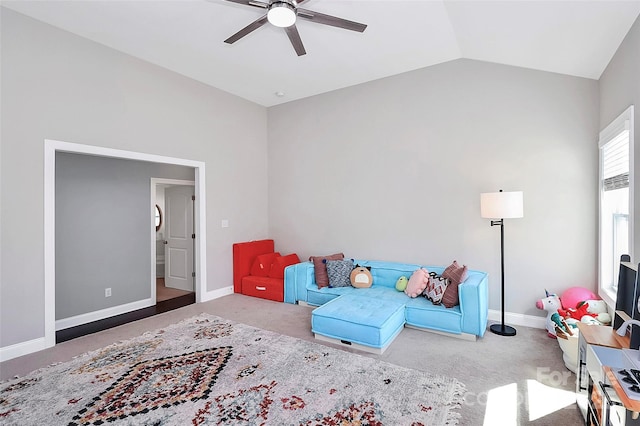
(401, 284)
(563, 326)
(589, 320)
(577, 304)
(550, 304)
(600, 309)
(576, 313)
(588, 312)
(558, 323)
(595, 306)
(361, 277)
(417, 283)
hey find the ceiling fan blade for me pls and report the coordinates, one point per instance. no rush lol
(294, 37)
(321, 18)
(246, 30)
(251, 3)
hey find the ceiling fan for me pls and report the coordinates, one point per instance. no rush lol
(283, 14)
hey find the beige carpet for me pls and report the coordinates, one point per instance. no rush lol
(510, 380)
(208, 370)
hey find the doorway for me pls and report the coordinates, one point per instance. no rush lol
(173, 238)
(51, 147)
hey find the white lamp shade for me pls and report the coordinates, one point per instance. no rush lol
(281, 15)
(501, 205)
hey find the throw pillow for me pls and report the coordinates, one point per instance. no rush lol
(435, 288)
(456, 275)
(320, 268)
(262, 264)
(281, 262)
(361, 277)
(417, 283)
(339, 272)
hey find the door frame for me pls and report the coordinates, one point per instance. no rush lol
(51, 147)
(154, 183)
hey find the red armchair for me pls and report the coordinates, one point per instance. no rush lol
(258, 270)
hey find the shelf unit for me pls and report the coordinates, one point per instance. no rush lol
(598, 346)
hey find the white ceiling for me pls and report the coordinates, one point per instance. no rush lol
(576, 37)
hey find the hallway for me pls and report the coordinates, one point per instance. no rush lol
(167, 299)
(165, 293)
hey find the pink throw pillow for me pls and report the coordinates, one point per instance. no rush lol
(417, 283)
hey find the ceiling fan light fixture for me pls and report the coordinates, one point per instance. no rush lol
(281, 14)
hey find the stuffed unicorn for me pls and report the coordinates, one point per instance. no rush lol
(550, 304)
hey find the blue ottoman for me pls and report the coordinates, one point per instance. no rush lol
(365, 323)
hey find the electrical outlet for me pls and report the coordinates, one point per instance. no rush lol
(107, 292)
(225, 223)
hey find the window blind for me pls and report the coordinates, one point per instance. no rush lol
(615, 162)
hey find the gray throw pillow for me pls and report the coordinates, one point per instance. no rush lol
(339, 272)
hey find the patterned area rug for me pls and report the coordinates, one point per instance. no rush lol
(210, 371)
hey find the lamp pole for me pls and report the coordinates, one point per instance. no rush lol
(501, 329)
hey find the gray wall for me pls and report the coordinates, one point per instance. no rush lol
(393, 170)
(620, 88)
(56, 85)
(102, 230)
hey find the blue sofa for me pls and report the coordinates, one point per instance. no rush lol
(468, 319)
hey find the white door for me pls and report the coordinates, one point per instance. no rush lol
(178, 264)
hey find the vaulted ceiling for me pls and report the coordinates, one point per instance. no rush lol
(576, 38)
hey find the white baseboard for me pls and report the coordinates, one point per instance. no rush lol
(511, 318)
(61, 324)
(215, 294)
(22, 348)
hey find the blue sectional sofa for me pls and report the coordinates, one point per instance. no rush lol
(468, 319)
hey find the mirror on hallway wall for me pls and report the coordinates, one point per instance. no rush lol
(158, 218)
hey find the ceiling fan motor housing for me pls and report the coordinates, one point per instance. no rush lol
(282, 13)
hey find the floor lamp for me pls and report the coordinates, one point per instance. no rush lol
(500, 206)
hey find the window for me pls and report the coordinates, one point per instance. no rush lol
(616, 201)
